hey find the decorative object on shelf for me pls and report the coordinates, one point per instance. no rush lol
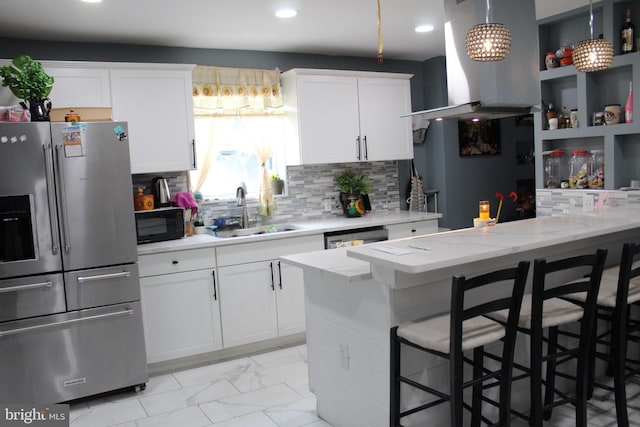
(596, 172)
(550, 112)
(598, 118)
(28, 81)
(551, 60)
(627, 33)
(352, 187)
(553, 123)
(277, 184)
(579, 169)
(573, 118)
(628, 106)
(592, 54)
(565, 55)
(488, 41)
(554, 168)
(612, 114)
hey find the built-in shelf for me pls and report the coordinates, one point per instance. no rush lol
(568, 89)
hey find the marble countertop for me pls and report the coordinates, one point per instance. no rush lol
(432, 252)
(336, 223)
(437, 251)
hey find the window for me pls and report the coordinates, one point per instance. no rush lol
(226, 152)
(239, 132)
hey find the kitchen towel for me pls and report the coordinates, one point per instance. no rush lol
(185, 200)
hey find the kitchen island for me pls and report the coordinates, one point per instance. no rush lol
(354, 296)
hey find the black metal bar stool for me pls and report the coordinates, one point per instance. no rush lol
(544, 309)
(451, 334)
(619, 291)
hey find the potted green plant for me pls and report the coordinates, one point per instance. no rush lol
(352, 186)
(277, 184)
(28, 81)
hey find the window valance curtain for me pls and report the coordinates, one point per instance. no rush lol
(234, 88)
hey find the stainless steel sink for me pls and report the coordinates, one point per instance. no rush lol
(255, 231)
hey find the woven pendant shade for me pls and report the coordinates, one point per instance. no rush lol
(593, 55)
(488, 42)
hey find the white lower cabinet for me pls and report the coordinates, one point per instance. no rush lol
(180, 304)
(264, 298)
(249, 307)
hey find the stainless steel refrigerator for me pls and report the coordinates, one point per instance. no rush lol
(70, 320)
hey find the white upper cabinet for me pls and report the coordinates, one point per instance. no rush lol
(158, 105)
(346, 116)
(387, 135)
(79, 87)
(155, 99)
(76, 84)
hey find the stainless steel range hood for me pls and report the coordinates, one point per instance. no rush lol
(490, 90)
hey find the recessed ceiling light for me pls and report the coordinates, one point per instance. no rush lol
(286, 13)
(92, 1)
(424, 28)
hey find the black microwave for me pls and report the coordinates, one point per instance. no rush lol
(157, 225)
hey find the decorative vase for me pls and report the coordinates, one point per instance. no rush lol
(277, 186)
(352, 204)
(39, 109)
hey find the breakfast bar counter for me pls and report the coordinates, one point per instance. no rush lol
(354, 296)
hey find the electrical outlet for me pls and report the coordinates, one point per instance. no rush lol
(327, 205)
(344, 356)
(588, 202)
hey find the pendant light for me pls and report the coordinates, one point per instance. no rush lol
(592, 54)
(488, 41)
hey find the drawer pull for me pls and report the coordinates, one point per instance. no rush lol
(18, 288)
(65, 322)
(175, 262)
(82, 279)
(413, 230)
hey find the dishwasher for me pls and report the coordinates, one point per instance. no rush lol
(354, 237)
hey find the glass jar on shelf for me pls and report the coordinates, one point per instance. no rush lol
(596, 174)
(579, 169)
(554, 168)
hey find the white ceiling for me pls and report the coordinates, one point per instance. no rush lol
(333, 27)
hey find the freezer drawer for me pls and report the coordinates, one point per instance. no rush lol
(102, 286)
(56, 358)
(31, 296)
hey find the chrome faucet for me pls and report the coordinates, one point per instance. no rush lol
(241, 200)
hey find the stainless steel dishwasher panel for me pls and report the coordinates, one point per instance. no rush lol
(102, 286)
(66, 356)
(31, 296)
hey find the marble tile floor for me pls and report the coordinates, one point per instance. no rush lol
(264, 390)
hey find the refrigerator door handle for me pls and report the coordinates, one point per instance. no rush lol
(55, 241)
(46, 284)
(63, 199)
(65, 322)
(82, 279)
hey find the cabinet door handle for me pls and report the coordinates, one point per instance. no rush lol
(279, 275)
(215, 294)
(273, 286)
(366, 149)
(175, 262)
(413, 230)
(193, 152)
(358, 148)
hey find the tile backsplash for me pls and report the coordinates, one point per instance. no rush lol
(308, 189)
(560, 201)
